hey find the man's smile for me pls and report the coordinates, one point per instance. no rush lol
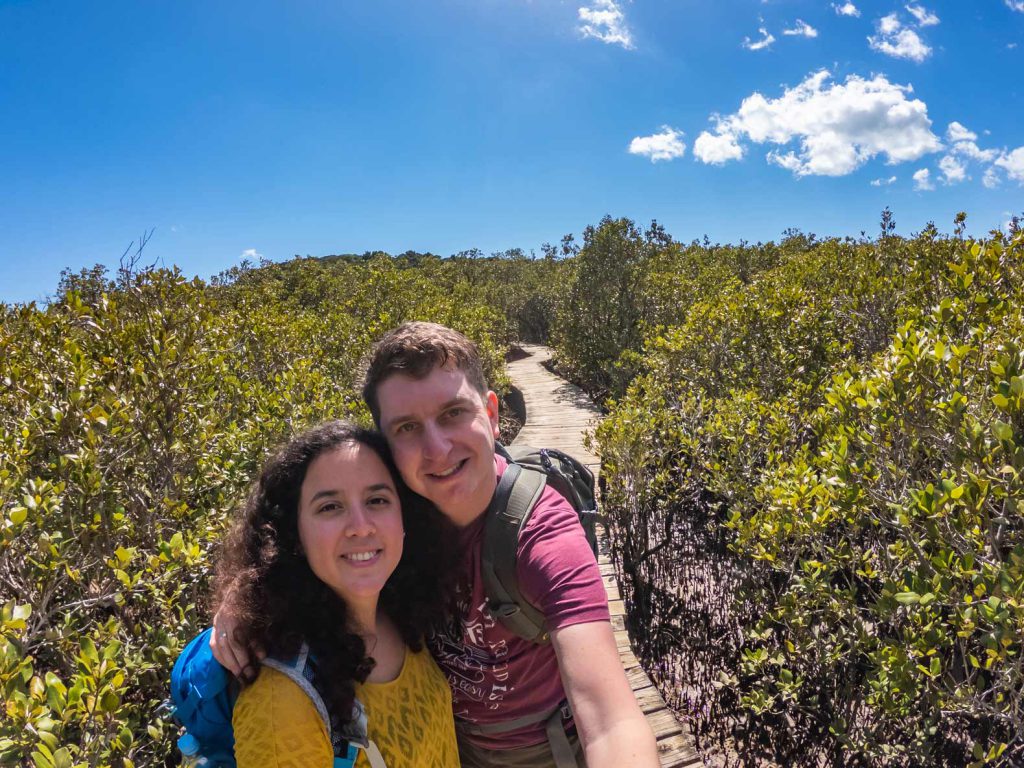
(445, 474)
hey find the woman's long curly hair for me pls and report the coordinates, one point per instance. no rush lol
(267, 585)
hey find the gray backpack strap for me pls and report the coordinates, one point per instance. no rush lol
(514, 499)
(505, 726)
(554, 727)
(354, 734)
(296, 672)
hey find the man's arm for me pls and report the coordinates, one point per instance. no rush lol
(611, 726)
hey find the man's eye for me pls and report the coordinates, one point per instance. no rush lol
(405, 428)
(456, 412)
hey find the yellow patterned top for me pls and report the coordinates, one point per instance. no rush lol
(409, 718)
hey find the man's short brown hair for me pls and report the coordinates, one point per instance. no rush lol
(415, 349)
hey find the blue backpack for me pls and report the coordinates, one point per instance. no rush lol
(203, 697)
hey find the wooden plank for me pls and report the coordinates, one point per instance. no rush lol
(649, 699)
(678, 752)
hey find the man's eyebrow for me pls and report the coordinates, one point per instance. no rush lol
(460, 400)
(457, 400)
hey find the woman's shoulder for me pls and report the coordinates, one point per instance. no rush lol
(274, 721)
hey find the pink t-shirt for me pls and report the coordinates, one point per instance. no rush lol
(495, 675)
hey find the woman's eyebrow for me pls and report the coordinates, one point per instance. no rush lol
(321, 494)
(380, 487)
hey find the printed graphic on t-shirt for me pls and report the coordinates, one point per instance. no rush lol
(476, 668)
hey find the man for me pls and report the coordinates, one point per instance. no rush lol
(427, 394)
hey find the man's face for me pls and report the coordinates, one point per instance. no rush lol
(441, 432)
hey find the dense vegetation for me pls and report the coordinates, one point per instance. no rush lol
(132, 418)
(812, 458)
(815, 490)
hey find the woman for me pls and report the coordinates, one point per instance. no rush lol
(319, 557)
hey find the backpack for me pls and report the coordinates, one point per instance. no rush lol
(203, 696)
(529, 470)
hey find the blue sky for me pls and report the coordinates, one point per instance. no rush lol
(313, 128)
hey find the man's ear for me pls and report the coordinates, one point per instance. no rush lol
(491, 401)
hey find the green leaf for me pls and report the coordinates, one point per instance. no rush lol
(89, 650)
(1002, 430)
(110, 701)
(907, 598)
(62, 758)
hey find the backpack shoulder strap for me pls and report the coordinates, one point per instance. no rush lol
(344, 742)
(514, 499)
(296, 672)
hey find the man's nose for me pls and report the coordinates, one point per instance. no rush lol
(435, 442)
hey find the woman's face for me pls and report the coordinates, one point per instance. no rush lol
(350, 522)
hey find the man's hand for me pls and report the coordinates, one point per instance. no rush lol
(231, 655)
(609, 721)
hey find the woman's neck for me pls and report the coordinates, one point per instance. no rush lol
(364, 618)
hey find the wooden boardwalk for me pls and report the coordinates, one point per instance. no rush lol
(557, 415)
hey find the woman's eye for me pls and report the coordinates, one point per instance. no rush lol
(330, 508)
(378, 501)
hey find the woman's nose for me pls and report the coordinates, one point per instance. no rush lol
(359, 522)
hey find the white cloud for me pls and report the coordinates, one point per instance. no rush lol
(964, 144)
(756, 45)
(846, 9)
(889, 25)
(972, 151)
(883, 182)
(923, 180)
(925, 18)
(605, 21)
(991, 178)
(666, 145)
(717, 149)
(894, 39)
(1013, 164)
(251, 253)
(801, 28)
(839, 126)
(958, 132)
(953, 170)
(1015, 5)
(788, 160)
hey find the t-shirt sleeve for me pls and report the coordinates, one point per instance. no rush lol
(277, 726)
(557, 570)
